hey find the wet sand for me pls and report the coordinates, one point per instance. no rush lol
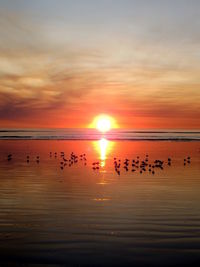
(72, 214)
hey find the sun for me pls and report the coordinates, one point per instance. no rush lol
(103, 123)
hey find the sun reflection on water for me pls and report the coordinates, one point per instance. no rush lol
(103, 144)
(103, 147)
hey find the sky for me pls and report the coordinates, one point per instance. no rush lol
(64, 62)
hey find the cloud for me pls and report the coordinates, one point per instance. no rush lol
(64, 70)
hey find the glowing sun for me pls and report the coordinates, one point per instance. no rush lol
(103, 123)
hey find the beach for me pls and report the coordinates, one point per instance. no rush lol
(99, 133)
(75, 214)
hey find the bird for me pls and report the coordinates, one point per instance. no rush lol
(9, 157)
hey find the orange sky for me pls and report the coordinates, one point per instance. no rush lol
(62, 65)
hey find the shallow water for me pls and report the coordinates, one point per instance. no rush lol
(78, 216)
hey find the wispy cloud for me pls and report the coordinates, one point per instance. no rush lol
(140, 67)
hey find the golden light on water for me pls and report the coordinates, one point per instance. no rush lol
(103, 144)
(103, 147)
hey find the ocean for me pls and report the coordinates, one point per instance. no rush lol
(92, 134)
(80, 198)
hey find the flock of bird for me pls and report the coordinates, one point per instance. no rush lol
(72, 160)
(134, 164)
(143, 165)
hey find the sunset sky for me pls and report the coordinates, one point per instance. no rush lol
(64, 62)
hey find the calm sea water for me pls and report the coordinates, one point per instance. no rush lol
(53, 214)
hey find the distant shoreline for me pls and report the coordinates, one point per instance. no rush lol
(24, 138)
(93, 135)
